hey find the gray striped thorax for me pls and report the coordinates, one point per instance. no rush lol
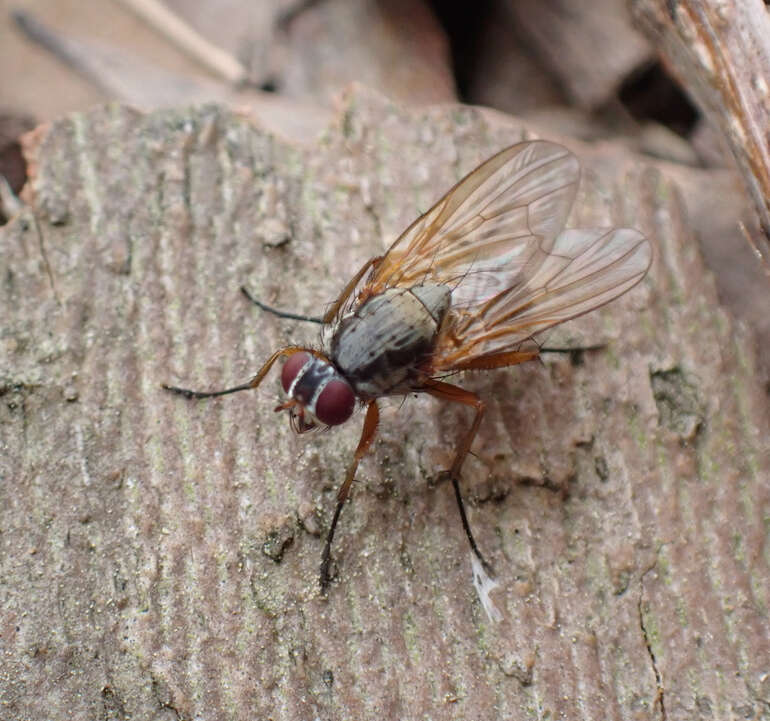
(379, 347)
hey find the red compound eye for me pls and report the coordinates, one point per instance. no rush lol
(336, 402)
(293, 365)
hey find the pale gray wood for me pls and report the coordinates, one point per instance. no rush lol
(160, 556)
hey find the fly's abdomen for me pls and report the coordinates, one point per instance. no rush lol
(379, 347)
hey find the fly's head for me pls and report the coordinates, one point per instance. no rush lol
(318, 394)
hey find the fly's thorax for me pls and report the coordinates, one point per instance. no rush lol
(317, 392)
(380, 347)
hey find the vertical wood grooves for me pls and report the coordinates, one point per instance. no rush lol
(133, 521)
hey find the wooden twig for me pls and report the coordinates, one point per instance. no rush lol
(159, 17)
(755, 249)
(721, 51)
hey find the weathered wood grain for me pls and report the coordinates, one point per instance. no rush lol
(160, 557)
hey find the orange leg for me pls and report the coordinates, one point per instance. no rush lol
(253, 383)
(367, 436)
(496, 360)
(511, 358)
(448, 392)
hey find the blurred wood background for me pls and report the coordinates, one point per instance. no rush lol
(159, 557)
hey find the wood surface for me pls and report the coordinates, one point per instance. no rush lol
(160, 557)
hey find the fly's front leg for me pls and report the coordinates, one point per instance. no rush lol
(448, 392)
(367, 436)
(280, 313)
(328, 317)
(253, 383)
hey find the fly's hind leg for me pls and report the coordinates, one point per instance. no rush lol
(448, 392)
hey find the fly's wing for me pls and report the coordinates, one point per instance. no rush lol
(584, 269)
(495, 227)
(496, 241)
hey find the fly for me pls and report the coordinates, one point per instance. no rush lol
(469, 285)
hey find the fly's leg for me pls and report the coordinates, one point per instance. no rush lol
(329, 315)
(576, 349)
(447, 392)
(496, 360)
(280, 313)
(575, 354)
(253, 383)
(367, 436)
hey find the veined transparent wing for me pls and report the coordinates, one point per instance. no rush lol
(497, 240)
(497, 223)
(584, 269)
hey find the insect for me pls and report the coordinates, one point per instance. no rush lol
(469, 285)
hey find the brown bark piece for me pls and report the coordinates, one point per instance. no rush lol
(139, 530)
(721, 51)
